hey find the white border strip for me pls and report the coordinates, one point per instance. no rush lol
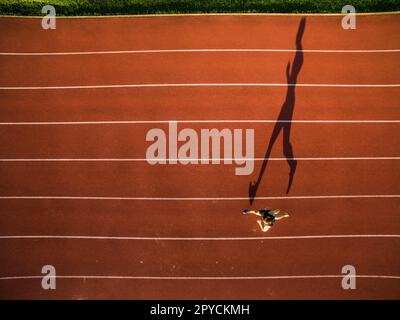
(384, 196)
(187, 121)
(183, 15)
(203, 278)
(77, 237)
(176, 85)
(196, 51)
(191, 159)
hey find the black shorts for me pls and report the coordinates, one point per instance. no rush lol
(267, 216)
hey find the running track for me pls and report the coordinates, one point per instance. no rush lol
(125, 229)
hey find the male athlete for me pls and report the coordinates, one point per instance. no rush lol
(268, 215)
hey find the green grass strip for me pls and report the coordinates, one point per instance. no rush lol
(131, 7)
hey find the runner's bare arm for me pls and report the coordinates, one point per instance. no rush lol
(264, 226)
(281, 215)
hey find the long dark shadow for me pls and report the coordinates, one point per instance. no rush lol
(286, 114)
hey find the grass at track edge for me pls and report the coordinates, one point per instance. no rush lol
(145, 7)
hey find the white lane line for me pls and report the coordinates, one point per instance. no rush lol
(192, 159)
(187, 121)
(78, 237)
(110, 277)
(197, 51)
(372, 196)
(170, 85)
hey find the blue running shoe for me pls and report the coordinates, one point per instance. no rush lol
(245, 211)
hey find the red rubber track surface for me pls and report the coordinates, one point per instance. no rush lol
(93, 260)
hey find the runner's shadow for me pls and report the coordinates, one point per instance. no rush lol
(284, 121)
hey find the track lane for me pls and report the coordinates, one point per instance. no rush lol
(143, 180)
(201, 258)
(206, 31)
(195, 68)
(207, 289)
(188, 219)
(173, 104)
(109, 141)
